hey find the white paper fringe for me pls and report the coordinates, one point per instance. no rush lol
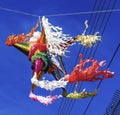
(49, 85)
(55, 37)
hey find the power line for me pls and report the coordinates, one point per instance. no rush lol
(114, 106)
(91, 31)
(71, 102)
(65, 101)
(100, 27)
(97, 17)
(94, 54)
(115, 52)
(103, 29)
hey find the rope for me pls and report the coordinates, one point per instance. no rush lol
(65, 14)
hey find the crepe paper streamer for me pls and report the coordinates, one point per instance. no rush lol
(44, 100)
(88, 40)
(55, 37)
(49, 85)
(82, 94)
(91, 73)
(21, 38)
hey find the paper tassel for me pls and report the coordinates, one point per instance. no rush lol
(88, 40)
(82, 94)
(49, 85)
(91, 73)
(21, 38)
(54, 37)
(44, 100)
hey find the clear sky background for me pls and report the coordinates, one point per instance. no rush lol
(15, 69)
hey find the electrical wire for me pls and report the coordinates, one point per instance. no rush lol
(64, 101)
(94, 54)
(91, 48)
(113, 113)
(65, 109)
(99, 26)
(99, 84)
(102, 30)
(113, 107)
(97, 17)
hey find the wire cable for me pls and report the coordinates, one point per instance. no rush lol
(65, 101)
(95, 53)
(91, 49)
(103, 31)
(99, 84)
(65, 109)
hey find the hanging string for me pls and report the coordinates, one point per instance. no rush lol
(18, 12)
(65, 14)
(39, 19)
(88, 12)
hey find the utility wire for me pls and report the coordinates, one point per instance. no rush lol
(64, 100)
(67, 109)
(113, 113)
(116, 50)
(103, 30)
(97, 17)
(113, 108)
(100, 28)
(94, 22)
(94, 54)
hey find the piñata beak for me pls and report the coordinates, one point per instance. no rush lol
(23, 47)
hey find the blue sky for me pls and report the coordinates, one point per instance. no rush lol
(15, 69)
